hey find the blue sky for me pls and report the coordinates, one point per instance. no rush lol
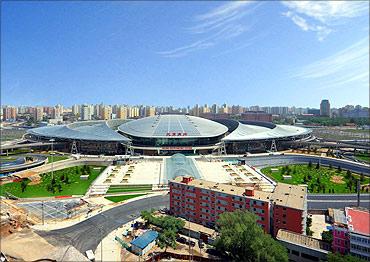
(182, 53)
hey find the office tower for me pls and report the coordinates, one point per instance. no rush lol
(325, 108)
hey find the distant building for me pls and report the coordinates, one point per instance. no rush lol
(256, 116)
(313, 111)
(202, 202)
(39, 113)
(76, 109)
(303, 248)
(325, 108)
(106, 113)
(149, 111)
(85, 112)
(142, 244)
(121, 112)
(9, 113)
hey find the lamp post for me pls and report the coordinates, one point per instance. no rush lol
(52, 158)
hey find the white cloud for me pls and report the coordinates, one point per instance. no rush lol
(320, 16)
(215, 26)
(329, 11)
(322, 31)
(350, 65)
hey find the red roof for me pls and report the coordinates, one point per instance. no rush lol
(358, 220)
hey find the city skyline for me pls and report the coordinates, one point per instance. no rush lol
(224, 52)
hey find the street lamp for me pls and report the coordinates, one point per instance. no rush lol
(52, 158)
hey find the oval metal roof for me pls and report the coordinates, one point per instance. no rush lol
(86, 130)
(253, 132)
(173, 126)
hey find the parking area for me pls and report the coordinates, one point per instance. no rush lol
(59, 209)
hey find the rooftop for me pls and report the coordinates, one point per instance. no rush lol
(145, 239)
(174, 126)
(358, 220)
(285, 195)
(339, 216)
(259, 132)
(84, 130)
(289, 195)
(302, 240)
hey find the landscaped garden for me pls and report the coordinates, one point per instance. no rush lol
(65, 182)
(319, 179)
(122, 198)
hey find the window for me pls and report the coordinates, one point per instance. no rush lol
(309, 257)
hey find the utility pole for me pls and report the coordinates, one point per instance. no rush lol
(42, 207)
(52, 158)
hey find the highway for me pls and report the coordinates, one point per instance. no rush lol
(89, 233)
(325, 201)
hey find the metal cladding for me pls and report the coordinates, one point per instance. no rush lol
(168, 127)
(177, 126)
(89, 130)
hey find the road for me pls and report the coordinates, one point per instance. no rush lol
(88, 234)
(322, 202)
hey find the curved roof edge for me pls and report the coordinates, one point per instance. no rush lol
(245, 132)
(98, 130)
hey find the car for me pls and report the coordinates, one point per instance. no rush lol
(191, 243)
(182, 240)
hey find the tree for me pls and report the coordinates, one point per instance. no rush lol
(310, 164)
(339, 169)
(362, 177)
(23, 185)
(309, 232)
(242, 239)
(327, 236)
(336, 257)
(167, 238)
(318, 165)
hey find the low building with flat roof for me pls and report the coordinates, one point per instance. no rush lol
(144, 243)
(303, 248)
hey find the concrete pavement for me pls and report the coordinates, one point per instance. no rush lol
(88, 234)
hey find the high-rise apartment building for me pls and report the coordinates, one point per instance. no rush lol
(106, 112)
(76, 109)
(121, 112)
(325, 108)
(149, 111)
(9, 113)
(39, 113)
(85, 112)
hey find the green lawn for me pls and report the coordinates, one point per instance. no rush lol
(116, 199)
(75, 186)
(56, 158)
(318, 180)
(123, 189)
